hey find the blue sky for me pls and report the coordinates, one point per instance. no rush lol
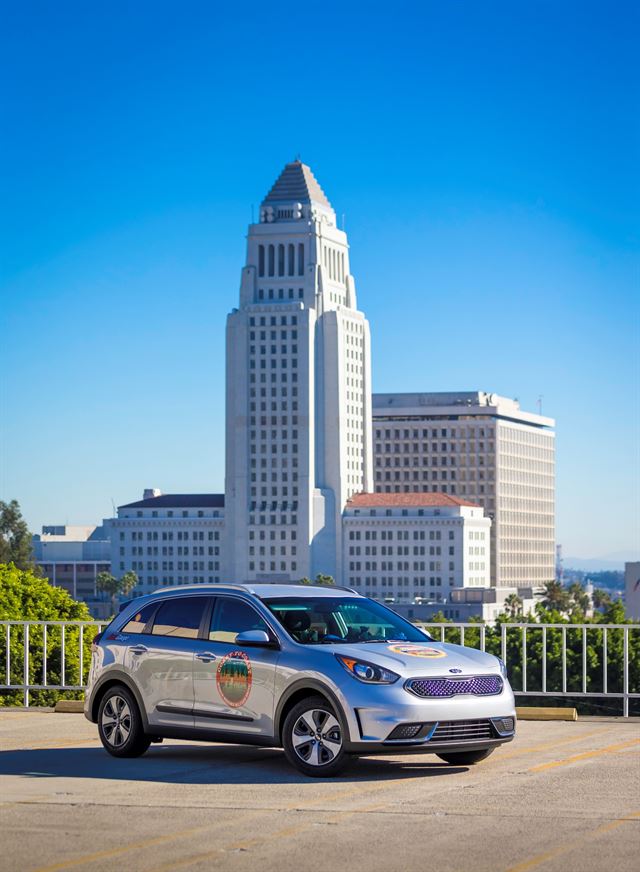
(484, 156)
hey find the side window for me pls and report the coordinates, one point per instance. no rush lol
(231, 617)
(139, 621)
(180, 617)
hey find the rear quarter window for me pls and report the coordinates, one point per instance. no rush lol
(180, 617)
(139, 621)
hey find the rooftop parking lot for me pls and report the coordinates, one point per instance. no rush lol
(561, 796)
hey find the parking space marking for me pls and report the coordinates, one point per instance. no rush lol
(245, 844)
(116, 852)
(169, 837)
(539, 859)
(65, 743)
(545, 746)
(610, 749)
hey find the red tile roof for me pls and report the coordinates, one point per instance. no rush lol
(421, 500)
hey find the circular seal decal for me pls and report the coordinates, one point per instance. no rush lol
(417, 651)
(233, 678)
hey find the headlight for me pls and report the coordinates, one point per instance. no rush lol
(369, 673)
(503, 666)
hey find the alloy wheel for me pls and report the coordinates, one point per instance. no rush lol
(116, 721)
(316, 737)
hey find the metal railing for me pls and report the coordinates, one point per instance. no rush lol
(530, 675)
(45, 655)
(55, 655)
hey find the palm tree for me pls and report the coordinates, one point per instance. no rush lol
(578, 597)
(556, 597)
(513, 605)
(601, 599)
(115, 587)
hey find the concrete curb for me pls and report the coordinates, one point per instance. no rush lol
(70, 706)
(546, 713)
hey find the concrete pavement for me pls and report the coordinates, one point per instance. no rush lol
(563, 796)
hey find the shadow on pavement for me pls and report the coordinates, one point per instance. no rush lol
(197, 764)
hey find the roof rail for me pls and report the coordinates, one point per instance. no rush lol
(306, 584)
(202, 585)
(247, 586)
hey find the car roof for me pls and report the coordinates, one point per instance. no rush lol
(261, 590)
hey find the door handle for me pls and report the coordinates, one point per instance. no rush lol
(139, 649)
(205, 656)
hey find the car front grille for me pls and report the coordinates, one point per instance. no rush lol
(462, 731)
(479, 685)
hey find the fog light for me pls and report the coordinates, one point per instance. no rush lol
(405, 731)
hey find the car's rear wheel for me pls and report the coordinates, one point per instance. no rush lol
(120, 724)
(313, 738)
(465, 758)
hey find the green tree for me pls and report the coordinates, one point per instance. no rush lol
(319, 579)
(15, 538)
(25, 596)
(116, 587)
(601, 599)
(513, 606)
(556, 597)
(579, 599)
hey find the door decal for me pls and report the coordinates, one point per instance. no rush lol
(233, 678)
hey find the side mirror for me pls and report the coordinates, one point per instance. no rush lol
(255, 638)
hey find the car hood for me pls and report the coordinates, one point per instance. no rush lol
(422, 658)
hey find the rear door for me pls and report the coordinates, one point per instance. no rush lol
(234, 684)
(162, 661)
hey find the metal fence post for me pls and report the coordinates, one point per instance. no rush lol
(25, 663)
(625, 672)
(44, 654)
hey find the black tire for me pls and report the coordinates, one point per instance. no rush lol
(120, 723)
(317, 752)
(465, 758)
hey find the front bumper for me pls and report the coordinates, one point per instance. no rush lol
(374, 713)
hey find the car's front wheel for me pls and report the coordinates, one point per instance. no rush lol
(120, 724)
(313, 739)
(465, 758)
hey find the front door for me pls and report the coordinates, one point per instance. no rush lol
(234, 684)
(162, 661)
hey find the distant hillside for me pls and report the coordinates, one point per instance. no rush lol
(594, 564)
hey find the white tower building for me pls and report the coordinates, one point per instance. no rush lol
(298, 405)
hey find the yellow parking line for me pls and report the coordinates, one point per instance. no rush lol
(159, 840)
(115, 852)
(585, 756)
(245, 844)
(569, 846)
(67, 743)
(544, 746)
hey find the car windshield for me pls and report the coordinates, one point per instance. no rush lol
(333, 620)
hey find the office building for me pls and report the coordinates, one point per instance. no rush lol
(482, 448)
(403, 546)
(73, 556)
(169, 539)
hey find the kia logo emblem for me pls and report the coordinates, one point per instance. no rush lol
(457, 671)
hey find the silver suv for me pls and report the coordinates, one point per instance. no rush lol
(320, 671)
